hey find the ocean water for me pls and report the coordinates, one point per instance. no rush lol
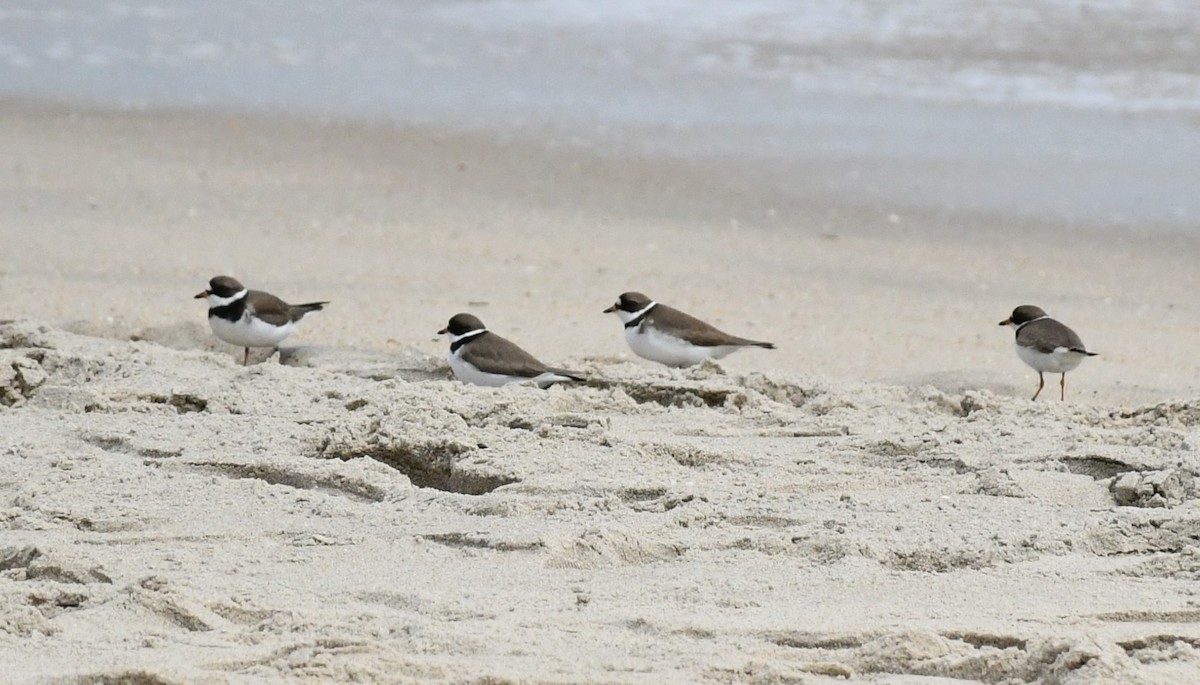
(1071, 111)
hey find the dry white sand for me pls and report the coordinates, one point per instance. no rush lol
(878, 499)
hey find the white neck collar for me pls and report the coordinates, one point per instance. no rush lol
(626, 317)
(469, 334)
(218, 301)
(1043, 316)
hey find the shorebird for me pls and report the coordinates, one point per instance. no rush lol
(1046, 344)
(481, 357)
(250, 318)
(662, 334)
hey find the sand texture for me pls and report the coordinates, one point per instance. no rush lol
(877, 500)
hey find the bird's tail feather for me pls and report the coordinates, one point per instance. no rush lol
(573, 375)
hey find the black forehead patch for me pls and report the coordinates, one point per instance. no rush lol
(1027, 312)
(464, 323)
(632, 301)
(224, 286)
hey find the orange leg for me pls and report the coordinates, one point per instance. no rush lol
(1062, 383)
(1041, 384)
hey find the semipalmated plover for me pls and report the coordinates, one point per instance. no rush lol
(1046, 345)
(481, 357)
(250, 318)
(668, 336)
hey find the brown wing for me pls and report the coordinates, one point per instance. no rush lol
(492, 354)
(268, 308)
(689, 328)
(1047, 335)
(275, 311)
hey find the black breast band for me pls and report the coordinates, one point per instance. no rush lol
(230, 312)
(466, 339)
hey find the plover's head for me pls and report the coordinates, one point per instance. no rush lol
(629, 305)
(222, 290)
(461, 325)
(1023, 314)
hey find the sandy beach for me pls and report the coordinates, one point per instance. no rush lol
(876, 500)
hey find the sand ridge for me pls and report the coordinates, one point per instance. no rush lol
(175, 517)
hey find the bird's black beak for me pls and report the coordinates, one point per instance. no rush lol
(444, 330)
(1006, 322)
(611, 309)
(200, 296)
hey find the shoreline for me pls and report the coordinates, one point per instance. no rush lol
(113, 214)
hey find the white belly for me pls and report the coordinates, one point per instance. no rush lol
(249, 332)
(1060, 360)
(469, 374)
(650, 344)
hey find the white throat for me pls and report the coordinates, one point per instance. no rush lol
(215, 301)
(626, 317)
